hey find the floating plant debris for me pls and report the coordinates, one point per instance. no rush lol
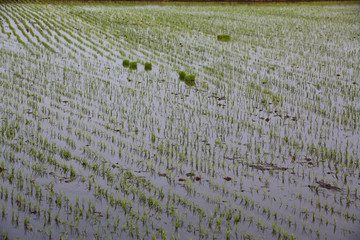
(328, 186)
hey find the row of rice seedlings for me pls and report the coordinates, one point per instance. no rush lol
(81, 38)
(14, 32)
(25, 30)
(67, 34)
(42, 31)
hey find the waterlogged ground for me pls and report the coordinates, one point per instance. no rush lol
(265, 145)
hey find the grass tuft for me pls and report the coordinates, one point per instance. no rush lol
(126, 63)
(148, 66)
(182, 75)
(224, 38)
(133, 65)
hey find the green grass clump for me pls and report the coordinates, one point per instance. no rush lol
(224, 38)
(126, 63)
(190, 83)
(182, 75)
(148, 66)
(133, 65)
(190, 78)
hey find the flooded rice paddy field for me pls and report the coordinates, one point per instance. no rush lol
(263, 145)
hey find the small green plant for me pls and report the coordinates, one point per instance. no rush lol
(26, 222)
(133, 65)
(148, 66)
(72, 171)
(5, 235)
(126, 63)
(228, 232)
(224, 38)
(66, 154)
(182, 75)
